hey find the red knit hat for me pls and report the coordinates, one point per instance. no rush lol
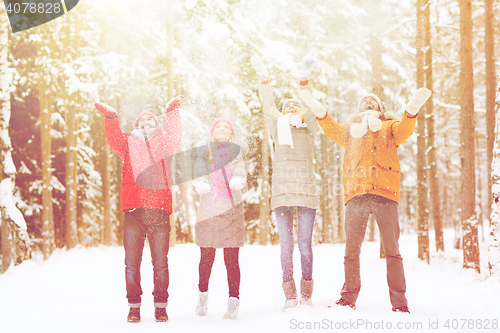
(143, 113)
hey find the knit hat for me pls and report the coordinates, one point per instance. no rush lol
(291, 100)
(380, 106)
(143, 113)
(216, 121)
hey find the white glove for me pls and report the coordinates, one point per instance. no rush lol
(369, 120)
(306, 66)
(419, 99)
(237, 183)
(316, 107)
(295, 120)
(201, 187)
(258, 64)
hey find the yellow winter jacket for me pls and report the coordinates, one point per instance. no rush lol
(371, 163)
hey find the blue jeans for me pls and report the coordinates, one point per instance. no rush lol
(137, 225)
(284, 218)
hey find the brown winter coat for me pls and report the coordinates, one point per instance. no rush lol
(371, 163)
(219, 224)
(294, 182)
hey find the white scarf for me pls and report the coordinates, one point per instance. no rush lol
(143, 133)
(284, 128)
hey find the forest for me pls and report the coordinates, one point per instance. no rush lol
(60, 180)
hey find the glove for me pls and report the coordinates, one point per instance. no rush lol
(306, 66)
(105, 110)
(315, 106)
(295, 121)
(174, 103)
(237, 183)
(201, 187)
(258, 64)
(369, 120)
(419, 99)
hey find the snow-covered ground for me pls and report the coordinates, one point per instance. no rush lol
(83, 290)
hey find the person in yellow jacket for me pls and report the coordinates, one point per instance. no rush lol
(371, 177)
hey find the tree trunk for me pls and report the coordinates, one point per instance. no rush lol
(491, 86)
(324, 204)
(494, 233)
(71, 179)
(435, 198)
(5, 109)
(422, 190)
(340, 199)
(377, 66)
(469, 220)
(106, 231)
(371, 227)
(265, 191)
(48, 234)
(170, 95)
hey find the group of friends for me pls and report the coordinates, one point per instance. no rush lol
(371, 178)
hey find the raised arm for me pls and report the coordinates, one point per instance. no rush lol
(403, 129)
(173, 131)
(338, 133)
(116, 139)
(269, 109)
(310, 117)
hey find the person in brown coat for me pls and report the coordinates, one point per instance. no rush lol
(220, 223)
(294, 186)
(371, 177)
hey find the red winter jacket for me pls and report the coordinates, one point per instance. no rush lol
(159, 143)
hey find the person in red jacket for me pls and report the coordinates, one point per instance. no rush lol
(145, 197)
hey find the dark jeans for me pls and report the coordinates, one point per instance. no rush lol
(284, 219)
(358, 209)
(153, 224)
(232, 266)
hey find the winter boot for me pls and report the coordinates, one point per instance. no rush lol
(343, 302)
(201, 307)
(403, 309)
(306, 289)
(290, 294)
(134, 315)
(161, 315)
(306, 66)
(233, 305)
(260, 68)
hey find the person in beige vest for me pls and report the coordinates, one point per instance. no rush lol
(293, 181)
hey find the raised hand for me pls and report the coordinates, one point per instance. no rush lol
(174, 103)
(419, 99)
(306, 66)
(259, 66)
(201, 187)
(237, 183)
(105, 110)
